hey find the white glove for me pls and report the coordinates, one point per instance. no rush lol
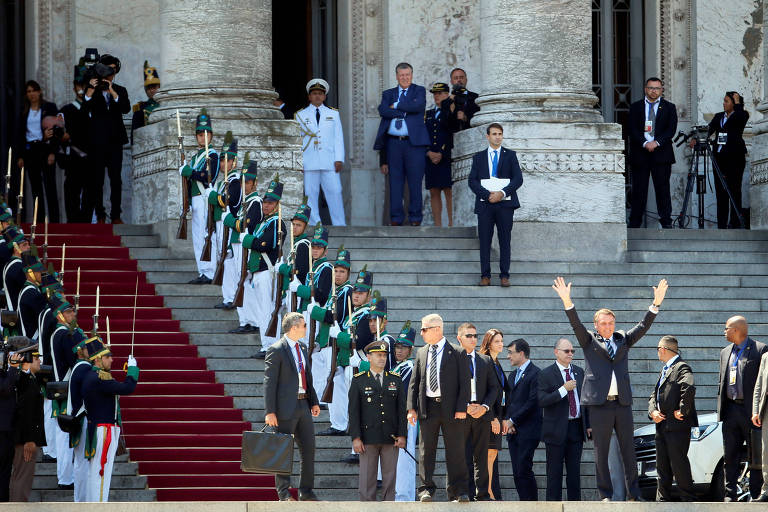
(132, 361)
(207, 193)
(295, 283)
(311, 306)
(334, 331)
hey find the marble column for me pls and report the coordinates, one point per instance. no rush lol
(217, 55)
(537, 71)
(758, 189)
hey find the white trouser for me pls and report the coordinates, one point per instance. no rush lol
(199, 229)
(405, 482)
(216, 242)
(64, 463)
(99, 478)
(232, 273)
(80, 470)
(330, 181)
(259, 301)
(321, 366)
(338, 410)
(51, 426)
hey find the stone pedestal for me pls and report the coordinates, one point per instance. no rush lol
(538, 87)
(216, 55)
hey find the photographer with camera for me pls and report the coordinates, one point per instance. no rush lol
(72, 154)
(9, 376)
(463, 99)
(105, 104)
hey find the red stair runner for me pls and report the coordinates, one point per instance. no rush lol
(179, 426)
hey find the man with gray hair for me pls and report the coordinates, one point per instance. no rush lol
(290, 401)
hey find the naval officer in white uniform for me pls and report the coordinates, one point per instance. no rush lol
(323, 144)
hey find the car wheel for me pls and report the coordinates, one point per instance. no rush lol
(717, 487)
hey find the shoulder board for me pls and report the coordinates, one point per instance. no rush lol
(334, 109)
(395, 372)
(359, 374)
(136, 107)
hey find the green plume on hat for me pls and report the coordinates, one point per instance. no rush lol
(228, 137)
(406, 326)
(246, 159)
(376, 296)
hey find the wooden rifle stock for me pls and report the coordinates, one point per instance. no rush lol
(218, 276)
(206, 254)
(328, 391)
(181, 233)
(272, 328)
(238, 302)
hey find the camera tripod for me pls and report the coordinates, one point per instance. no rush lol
(702, 152)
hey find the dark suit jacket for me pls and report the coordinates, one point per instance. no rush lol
(504, 391)
(412, 108)
(454, 382)
(106, 120)
(666, 129)
(734, 127)
(597, 374)
(523, 403)
(28, 425)
(749, 365)
(281, 380)
(46, 109)
(676, 392)
(486, 382)
(554, 408)
(508, 168)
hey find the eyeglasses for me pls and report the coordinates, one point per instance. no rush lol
(425, 329)
(470, 335)
(654, 88)
(567, 350)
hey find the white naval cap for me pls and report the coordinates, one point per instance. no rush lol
(317, 84)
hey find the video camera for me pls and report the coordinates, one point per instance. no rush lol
(96, 66)
(459, 96)
(11, 346)
(700, 133)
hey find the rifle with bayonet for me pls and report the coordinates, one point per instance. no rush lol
(34, 225)
(275, 318)
(20, 199)
(95, 330)
(211, 227)
(244, 263)
(8, 177)
(312, 323)
(77, 292)
(328, 391)
(45, 244)
(218, 275)
(181, 232)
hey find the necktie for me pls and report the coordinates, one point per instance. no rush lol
(437, 113)
(652, 118)
(301, 368)
(317, 115)
(399, 120)
(609, 346)
(471, 366)
(433, 369)
(495, 163)
(378, 379)
(518, 376)
(663, 374)
(571, 396)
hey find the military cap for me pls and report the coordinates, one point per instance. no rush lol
(59, 304)
(6, 214)
(230, 146)
(364, 281)
(379, 307)
(439, 87)
(318, 84)
(321, 236)
(407, 335)
(303, 211)
(150, 75)
(376, 346)
(274, 190)
(203, 123)
(50, 281)
(96, 348)
(31, 263)
(343, 258)
(14, 235)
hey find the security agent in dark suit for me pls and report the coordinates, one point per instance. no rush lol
(463, 98)
(739, 366)
(495, 208)
(105, 104)
(652, 126)
(672, 407)
(404, 137)
(483, 390)
(438, 395)
(565, 423)
(523, 423)
(606, 389)
(290, 401)
(9, 378)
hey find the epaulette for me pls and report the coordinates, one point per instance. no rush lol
(359, 374)
(136, 107)
(394, 373)
(332, 108)
(105, 375)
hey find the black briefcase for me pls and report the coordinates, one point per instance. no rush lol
(57, 390)
(267, 452)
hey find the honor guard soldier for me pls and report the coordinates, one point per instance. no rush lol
(440, 122)
(6, 250)
(377, 423)
(200, 172)
(100, 394)
(142, 109)
(13, 272)
(263, 244)
(297, 266)
(51, 289)
(218, 198)
(405, 485)
(31, 300)
(377, 324)
(323, 152)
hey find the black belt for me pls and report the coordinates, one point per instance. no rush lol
(739, 401)
(399, 137)
(612, 397)
(302, 396)
(574, 419)
(434, 399)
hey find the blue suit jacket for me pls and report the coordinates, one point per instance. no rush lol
(523, 403)
(508, 168)
(412, 108)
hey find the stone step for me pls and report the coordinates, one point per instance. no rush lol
(204, 314)
(725, 256)
(119, 482)
(424, 232)
(119, 468)
(119, 495)
(354, 243)
(159, 265)
(203, 326)
(696, 234)
(708, 245)
(140, 241)
(132, 229)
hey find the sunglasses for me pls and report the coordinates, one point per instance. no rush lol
(470, 336)
(567, 350)
(425, 329)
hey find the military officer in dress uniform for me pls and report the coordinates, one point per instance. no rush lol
(196, 172)
(142, 109)
(405, 485)
(297, 266)
(218, 197)
(377, 423)
(323, 152)
(263, 243)
(14, 276)
(439, 121)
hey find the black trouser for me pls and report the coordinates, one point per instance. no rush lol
(501, 217)
(569, 453)
(453, 439)
(660, 174)
(604, 419)
(478, 434)
(303, 430)
(42, 181)
(75, 169)
(521, 452)
(732, 168)
(7, 449)
(672, 461)
(111, 157)
(737, 429)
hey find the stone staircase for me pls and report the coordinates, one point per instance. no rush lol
(712, 275)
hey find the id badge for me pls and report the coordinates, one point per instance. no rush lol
(472, 387)
(722, 138)
(648, 126)
(732, 376)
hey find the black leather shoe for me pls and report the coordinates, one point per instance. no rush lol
(351, 458)
(308, 496)
(425, 497)
(463, 498)
(330, 431)
(228, 306)
(221, 305)
(634, 498)
(286, 497)
(243, 329)
(68, 487)
(48, 458)
(762, 498)
(201, 279)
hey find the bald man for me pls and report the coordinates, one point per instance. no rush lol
(739, 365)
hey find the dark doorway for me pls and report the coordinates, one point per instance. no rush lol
(12, 74)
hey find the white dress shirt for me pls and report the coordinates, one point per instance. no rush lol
(393, 129)
(292, 344)
(564, 392)
(34, 131)
(439, 359)
(472, 379)
(648, 136)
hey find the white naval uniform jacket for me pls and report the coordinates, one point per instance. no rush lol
(324, 144)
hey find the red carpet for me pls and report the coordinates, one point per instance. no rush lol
(179, 426)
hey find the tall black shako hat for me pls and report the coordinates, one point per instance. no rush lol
(320, 237)
(364, 281)
(303, 211)
(274, 190)
(150, 75)
(203, 123)
(343, 258)
(407, 336)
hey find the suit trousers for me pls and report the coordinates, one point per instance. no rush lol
(453, 439)
(660, 174)
(75, 170)
(42, 181)
(330, 181)
(732, 168)
(737, 429)
(23, 474)
(606, 418)
(406, 163)
(6, 463)
(99, 157)
(568, 453)
(521, 452)
(478, 433)
(495, 215)
(369, 468)
(303, 430)
(672, 461)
